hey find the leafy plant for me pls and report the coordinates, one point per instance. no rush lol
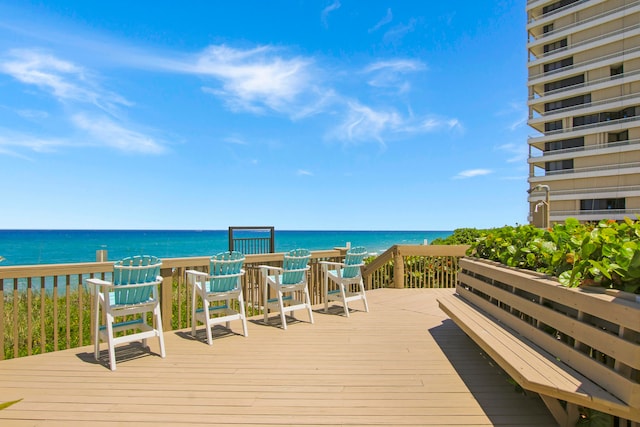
(604, 254)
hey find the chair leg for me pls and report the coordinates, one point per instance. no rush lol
(228, 324)
(343, 292)
(265, 297)
(308, 298)
(160, 331)
(282, 313)
(326, 288)
(243, 315)
(207, 320)
(193, 312)
(112, 350)
(96, 330)
(364, 296)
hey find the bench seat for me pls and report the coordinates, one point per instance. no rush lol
(532, 367)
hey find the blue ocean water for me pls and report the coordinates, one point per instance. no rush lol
(27, 247)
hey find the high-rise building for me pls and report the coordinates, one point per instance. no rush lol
(584, 102)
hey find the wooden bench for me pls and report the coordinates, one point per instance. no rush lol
(490, 313)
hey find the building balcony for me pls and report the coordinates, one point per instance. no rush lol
(573, 48)
(590, 150)
(585, 172)
(578, 67)
(536, 17)
(604, 105)
(594, 216)
(542, 38)
(540, 96)
(606, 126)
(587, 193)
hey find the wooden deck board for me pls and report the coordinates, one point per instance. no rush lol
(404, 363)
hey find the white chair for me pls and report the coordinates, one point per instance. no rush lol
(346, 278)
(132, 293)
(289, 284)
(222, 283)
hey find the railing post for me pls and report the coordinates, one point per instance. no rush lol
(166, 298)
(398, 270)
(101, 255)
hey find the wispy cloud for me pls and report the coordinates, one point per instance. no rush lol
(64, 80)
(112, 134)
(396, 33)
(390, 74)
(472, 173)
(235, 140)
(518, 152)
(365, 124)
(253, 79)
(76, 88)
(384, 21)
(303, 172)
(327, 10)
(10, 141)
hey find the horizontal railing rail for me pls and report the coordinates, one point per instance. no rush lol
(46, 308)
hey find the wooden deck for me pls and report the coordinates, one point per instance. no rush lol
(404, 363)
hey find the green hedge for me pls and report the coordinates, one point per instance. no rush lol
(604, 254)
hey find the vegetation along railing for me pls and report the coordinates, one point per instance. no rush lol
(46, 308)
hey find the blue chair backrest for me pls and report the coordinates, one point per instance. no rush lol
(353, 260)
(224, 270)
(294, 266)
(132, 271)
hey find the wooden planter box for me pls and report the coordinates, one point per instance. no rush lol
(594, 332)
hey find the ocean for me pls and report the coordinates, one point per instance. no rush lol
(28, 247)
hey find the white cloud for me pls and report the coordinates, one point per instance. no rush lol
(254, 79)
(471, 173)
(399, 31)
(364, 124)
(302, 172)
(33, 114)
(235, 140)
(325, 12)
(9, 139)
(518, 152)
(389, 74)
(384, 21)
(109, 133)
(62, 79)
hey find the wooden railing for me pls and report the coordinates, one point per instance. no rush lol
(415, 266)
(46, 308)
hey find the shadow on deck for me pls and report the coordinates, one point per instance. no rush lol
(404, 363)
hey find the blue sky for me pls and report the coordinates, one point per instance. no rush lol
(329, 114)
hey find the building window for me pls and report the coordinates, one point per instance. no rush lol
(547, 28)
(559, 165)
(586, 120)
(557, 5)
(558, 64)
(569, 102)
(619, 136)
(604, 117)
(564, 144)
(617, 70)
(601, 204)
(571, 81)
(555, 45)
(551, 126)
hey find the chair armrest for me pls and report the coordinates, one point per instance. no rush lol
(96, 283)
(267, 268)
(197, 273)
(331, 264)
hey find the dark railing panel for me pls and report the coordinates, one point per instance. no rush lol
(252, 240)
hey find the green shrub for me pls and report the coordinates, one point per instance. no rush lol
(605, 254)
